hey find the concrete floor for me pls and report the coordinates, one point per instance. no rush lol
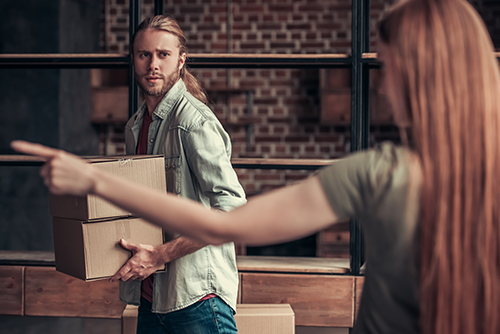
(52, 325)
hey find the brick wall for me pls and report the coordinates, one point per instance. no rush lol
(287, 102)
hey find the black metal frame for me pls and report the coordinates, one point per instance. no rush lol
(360, 66)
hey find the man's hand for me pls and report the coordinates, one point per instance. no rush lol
(145, 261)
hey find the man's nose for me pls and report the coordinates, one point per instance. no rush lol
(153, 63)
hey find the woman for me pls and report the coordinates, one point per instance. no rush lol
(430, 213)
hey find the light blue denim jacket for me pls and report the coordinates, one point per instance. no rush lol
(197, 154)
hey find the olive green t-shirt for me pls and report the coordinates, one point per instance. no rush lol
(373, 187)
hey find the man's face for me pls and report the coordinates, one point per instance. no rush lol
(157, 62)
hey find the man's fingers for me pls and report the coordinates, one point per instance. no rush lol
(120, 273)
(129, 246)
(33, 149)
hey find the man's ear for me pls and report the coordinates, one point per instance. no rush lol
(182, 60)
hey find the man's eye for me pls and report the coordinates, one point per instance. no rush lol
(164, 54)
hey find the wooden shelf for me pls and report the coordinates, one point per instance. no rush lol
(297, 164)
(27, 258)
(195, 60)
(305, 164)
(297, 265)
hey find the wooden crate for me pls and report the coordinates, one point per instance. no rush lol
(51, 293)
(317, 290)
(12, 290)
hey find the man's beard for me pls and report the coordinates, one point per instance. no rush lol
(168, 83)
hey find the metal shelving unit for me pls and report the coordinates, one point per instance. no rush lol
(360, 61)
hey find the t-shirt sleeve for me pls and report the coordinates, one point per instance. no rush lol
(355, 185)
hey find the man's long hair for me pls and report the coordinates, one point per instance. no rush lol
(167, 24)
(449, 90)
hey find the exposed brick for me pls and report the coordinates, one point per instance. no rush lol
(281, 35)
(298, 26)
(282, 45)
(265, 149)
(278, 129)
(251, 9)
(341, 34)
(287, 103)
(245, 84)
(267, 18)
(310, 149)
(279, 119)
(268, 177)
(339, 7)
(253, 18)
(270, 139)
(297, 139)
(263, 129)
(242, 26)
(340, 44)
(312, 8)
(328, 26)
(196, 46)
(280, 8)
(304, 120)
(268, 26)
(209, 27)
(266, 100)
(119, 30)
(214, 9)
(291, 177)
(191, 9)
(237, 18)
(252, 45)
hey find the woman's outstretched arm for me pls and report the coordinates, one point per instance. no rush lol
(278, 216)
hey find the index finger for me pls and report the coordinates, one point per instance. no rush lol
(33, 149)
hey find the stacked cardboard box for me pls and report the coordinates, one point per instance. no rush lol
(250, 319)
(265, 319)
(87, 230)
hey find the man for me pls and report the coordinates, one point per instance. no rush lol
(197, 291)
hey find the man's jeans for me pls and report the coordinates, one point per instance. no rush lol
(210, 316)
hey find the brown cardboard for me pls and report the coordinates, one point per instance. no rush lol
(265, 319)
(148, 170)
(91, 250)
(129, 319)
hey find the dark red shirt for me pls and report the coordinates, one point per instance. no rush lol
(142, 148)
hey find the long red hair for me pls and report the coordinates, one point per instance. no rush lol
(450, 93)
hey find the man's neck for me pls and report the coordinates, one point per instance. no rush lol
(152, 102)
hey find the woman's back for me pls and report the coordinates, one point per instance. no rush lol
(374, 187)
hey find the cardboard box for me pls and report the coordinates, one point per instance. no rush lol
(265, 319)
(148, 170)
(91, 250)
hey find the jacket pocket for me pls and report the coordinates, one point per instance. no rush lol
(173, 174)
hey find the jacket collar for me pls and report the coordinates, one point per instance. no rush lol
(166, 105)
